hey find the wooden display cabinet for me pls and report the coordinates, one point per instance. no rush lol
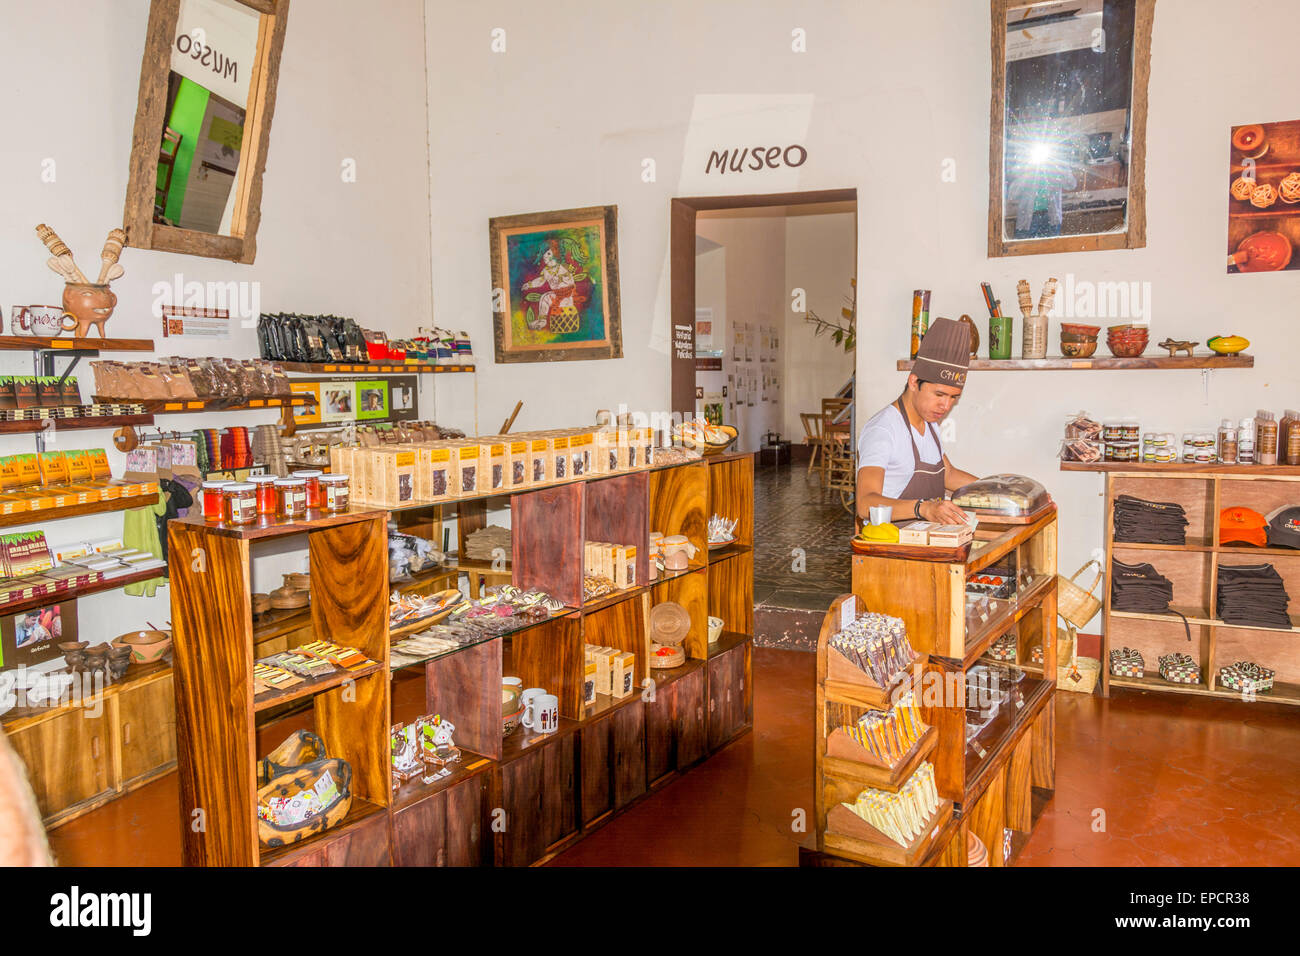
(1193, 567)
(216, 707)
(987, 783)
(553, 788)
(79, 758)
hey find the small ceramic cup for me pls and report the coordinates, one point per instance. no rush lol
(881, 514)
(715, 629)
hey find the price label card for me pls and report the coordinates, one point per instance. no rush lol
(848, 611)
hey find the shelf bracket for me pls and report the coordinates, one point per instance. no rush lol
(1205, 386)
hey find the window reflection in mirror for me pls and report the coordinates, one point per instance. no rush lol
(212, 58)
(1068, 118)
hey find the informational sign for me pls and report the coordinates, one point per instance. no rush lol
(385, 399)
(209, 323)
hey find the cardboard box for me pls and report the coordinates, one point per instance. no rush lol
(626, 670)
(950, 535)
(589, 673)
(616, 679)
(605, 459)
(541, 468)
(560, 467)
(581, 448)
(498, 466)
(520, 474)
(918, 532)
(439, 471)
(470, 465)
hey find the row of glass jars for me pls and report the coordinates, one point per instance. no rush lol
(268, 496)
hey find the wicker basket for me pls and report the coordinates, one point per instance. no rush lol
(1087, 668)
(1075, 604)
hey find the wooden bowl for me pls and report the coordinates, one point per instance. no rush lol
(146, 646)
(1079, 349)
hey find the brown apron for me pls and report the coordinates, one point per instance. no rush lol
(927, 480)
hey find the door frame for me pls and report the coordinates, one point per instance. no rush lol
(681, 264)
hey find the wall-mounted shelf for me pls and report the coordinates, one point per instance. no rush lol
(63, 424)
(372, 368)
(72, 594)
(1173, 469)
(42, 343)
(75, 511)
(1240, 360)
(168, 406)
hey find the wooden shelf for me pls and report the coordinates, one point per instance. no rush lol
(360, 812)
(269, 527)
(64, 424)
(76, 511)
(372, 368)
(171, 406)
(310, 686)
(1199, 616)
(1099, 363)
(1017, 607)
(1177, 469)
(72, 594)
(1282, 693)
(869, 845)
(997, 739)
(726, 641)
(879, 776)
(36, 343)
(414, 790)
(523, 740)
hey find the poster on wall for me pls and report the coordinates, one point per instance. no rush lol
(556, 281)
(713, 408)
(703, 329)
(389, 399)
(1263, 197)
(182, 320)
(33, 637)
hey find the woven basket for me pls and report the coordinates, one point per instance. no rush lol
(1088, 668)
(1075, 604)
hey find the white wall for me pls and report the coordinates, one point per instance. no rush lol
(583, 95)
(820, 258)
(362, 249)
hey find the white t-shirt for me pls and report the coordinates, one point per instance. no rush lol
(887, 442)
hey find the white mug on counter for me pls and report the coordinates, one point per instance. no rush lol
(541, 711)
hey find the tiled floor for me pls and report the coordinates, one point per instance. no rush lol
(1180, 781)
(800, 543)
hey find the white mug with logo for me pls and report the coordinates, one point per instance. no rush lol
(528, 700)
(547, 720)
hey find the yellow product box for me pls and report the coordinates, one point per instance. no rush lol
(540, 466)
(111, 490)
(582, 448)
(23, 470)
(81, 492)
(626, 671)
(589, 674)
(519, 473)
(627, 456)
(12, 504)
(99, 469)
(79, 466)
(54, 468)
(625, 566)
(497, 466)
(643, 440)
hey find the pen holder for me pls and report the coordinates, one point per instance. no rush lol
(1033, 343)
(999, 336)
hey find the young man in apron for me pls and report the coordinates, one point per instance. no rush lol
(900, 461)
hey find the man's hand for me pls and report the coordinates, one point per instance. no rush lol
(942, 512)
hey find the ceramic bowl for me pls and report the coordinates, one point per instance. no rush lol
(145, 647)
(1076, 338)
(1079, 349)
(1074, 328)
(1126, 349)
(715, 629)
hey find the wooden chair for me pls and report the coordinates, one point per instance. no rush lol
(831, 408)
(812, 436)
(840, 474)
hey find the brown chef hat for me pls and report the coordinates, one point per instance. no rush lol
(944, 355)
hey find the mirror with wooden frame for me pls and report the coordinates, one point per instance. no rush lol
(1067, 140)
(203, 125)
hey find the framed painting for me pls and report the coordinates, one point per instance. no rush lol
(555, 286)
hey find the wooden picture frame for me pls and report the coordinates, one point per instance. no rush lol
(138, 216)
(1134, 234)
(533, 318)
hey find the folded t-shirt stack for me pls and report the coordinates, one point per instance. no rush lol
(1141, 588)
(1149, 522)
(1252, 594)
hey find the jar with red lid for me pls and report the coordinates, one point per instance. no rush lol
(334, 492)
(212, 500)
(239, 503)
(267, 504)
(313, 487)
(291, 495)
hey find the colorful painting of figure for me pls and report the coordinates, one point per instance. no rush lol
(555, 282)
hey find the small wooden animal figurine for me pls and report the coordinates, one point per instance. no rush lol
(1174, 345)
(86, 303)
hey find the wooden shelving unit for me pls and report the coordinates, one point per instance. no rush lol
(41, 343)
(168, 406)
(555, 788)
(1203, 491)
(998, 779)
(372, 368)
(1100, 363)
(32, 426)
(74, 511)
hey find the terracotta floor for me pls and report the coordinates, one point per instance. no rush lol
(1182, 781)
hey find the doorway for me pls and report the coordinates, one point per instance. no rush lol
(764, 286)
